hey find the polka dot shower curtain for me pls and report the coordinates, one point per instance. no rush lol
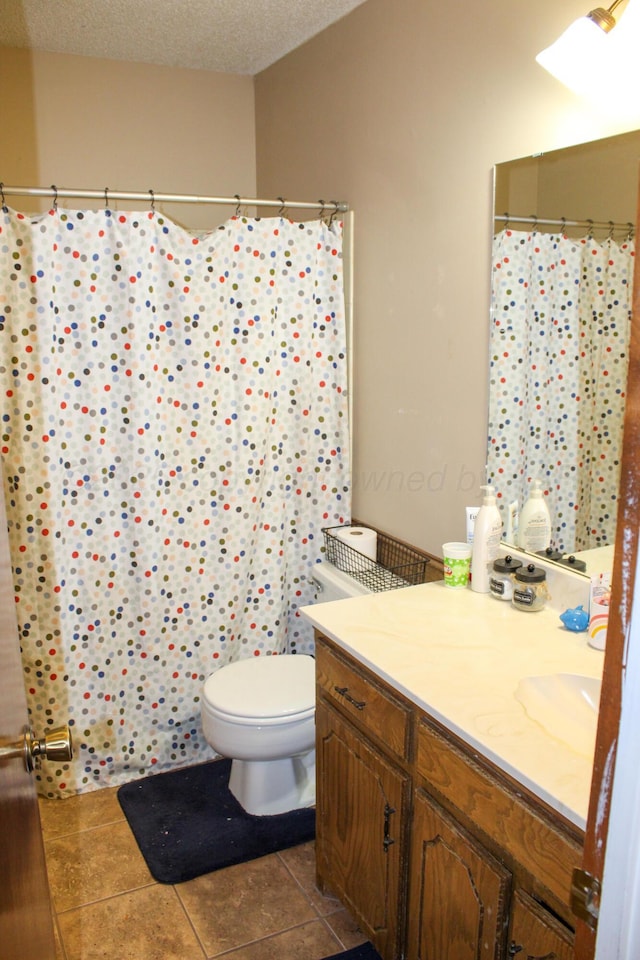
(560, 320)
(175, 436)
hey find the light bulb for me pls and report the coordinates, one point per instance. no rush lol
(576, 56)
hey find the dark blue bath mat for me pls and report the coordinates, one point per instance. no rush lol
(187, 823)
(363, 952)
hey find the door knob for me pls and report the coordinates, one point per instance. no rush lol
(55, 745)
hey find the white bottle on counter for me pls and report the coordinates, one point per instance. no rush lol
(487, 534)
(535, 521)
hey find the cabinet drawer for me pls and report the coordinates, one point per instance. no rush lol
(540, 845)
(534, 932)
(366, 703)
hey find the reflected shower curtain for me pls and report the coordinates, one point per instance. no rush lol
(560, 317)
(175, 436)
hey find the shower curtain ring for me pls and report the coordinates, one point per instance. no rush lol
(534, 221)
(237, 213)
(611, 229)
(564, 225)
(506, 220)
(55, 196)
(106, 198)
(282, 207)
(336, 207)
(590, 233)
(153, 201)
(4, 202)
(630, 231)
(321, 214)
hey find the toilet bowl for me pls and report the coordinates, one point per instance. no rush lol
(260, 712)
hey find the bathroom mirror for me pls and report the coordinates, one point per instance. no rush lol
(562, 280)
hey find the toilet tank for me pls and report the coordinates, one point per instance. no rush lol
(333, 584)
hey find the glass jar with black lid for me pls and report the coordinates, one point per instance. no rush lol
(501, 579)
(530, 588)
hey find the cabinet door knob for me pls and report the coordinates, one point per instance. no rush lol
(516, 948)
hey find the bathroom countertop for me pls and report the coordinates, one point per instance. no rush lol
(459, 656)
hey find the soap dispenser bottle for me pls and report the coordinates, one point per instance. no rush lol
(535, 521)
(487, 534)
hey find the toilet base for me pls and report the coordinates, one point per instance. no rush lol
(267, 787)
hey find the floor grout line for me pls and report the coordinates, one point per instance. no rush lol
(111, 896)
(189, 920)
(276, 933)
(312, 896)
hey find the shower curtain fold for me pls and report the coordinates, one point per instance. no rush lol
(175, 437)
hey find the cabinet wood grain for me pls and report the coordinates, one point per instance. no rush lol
(534, 935)
(436, 855)
(362, 802)
(544, 849)
(459, 893)
(370, 707)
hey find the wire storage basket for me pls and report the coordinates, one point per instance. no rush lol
(396, 564)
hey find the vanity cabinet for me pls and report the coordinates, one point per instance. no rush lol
(437, 854)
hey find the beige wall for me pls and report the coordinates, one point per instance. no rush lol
(83, 122)
(401, 109)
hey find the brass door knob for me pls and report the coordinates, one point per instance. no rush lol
(55, 745)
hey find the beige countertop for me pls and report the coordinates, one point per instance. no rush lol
(460, 656)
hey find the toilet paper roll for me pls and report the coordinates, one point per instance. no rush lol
(361, 539)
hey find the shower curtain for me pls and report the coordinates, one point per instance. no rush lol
(560, 317)
(175, 436)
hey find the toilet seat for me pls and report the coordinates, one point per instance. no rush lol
(263, 690)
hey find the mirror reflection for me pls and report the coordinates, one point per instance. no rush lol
(561, 294)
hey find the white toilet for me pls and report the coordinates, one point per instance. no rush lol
(261, 713)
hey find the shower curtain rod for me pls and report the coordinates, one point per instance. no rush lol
(106, 194)
(595, 224)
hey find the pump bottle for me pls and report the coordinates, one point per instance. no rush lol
(487, 534)
(535, 521)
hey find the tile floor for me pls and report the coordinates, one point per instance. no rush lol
(107, 906)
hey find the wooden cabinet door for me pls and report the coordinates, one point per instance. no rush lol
(458, 892)
(361, 812)
(535, 934)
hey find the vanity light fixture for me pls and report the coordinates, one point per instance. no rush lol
(575, 57)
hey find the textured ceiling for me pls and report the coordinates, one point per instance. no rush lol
(232, 36)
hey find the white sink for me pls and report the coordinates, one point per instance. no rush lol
(565, 705)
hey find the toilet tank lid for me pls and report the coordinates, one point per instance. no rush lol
(337, 583)
(279, 685)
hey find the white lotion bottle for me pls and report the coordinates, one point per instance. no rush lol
(486, 541)
(535, 521)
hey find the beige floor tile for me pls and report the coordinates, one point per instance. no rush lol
(301, 863)
(235, 906)
(147, 924)
(110, 908)
(93, 864)
(310, 941)
(72, 814)
(345, 928)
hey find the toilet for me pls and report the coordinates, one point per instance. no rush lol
(260, 712)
